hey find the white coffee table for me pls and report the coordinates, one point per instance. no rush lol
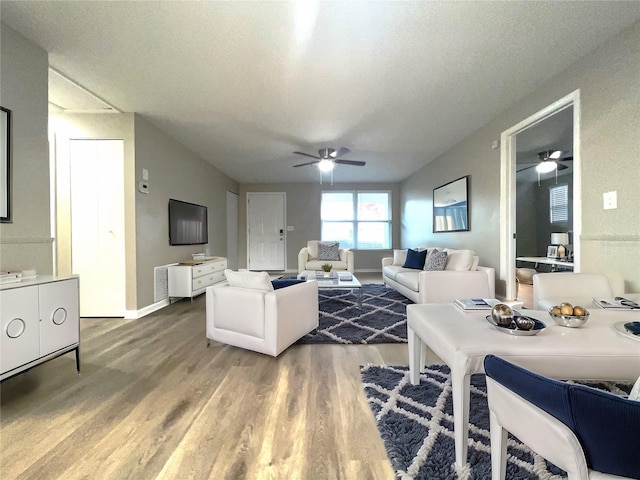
(595, 351)
(334, 283)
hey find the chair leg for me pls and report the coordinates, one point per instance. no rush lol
(498, 449)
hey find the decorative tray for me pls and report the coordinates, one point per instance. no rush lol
(512, 330)
(619, 327)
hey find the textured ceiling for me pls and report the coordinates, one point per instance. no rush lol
(244, 84)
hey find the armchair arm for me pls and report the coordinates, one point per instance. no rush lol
(303, 256)
(350, 261)
(387, 261)
(290, 313)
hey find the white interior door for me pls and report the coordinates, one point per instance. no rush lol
(232, 230)
(266, 231)
(97, 225)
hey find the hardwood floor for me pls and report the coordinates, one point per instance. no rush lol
(153, 401)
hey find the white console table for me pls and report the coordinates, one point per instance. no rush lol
(555, 263)
(189, 279)
(39, 321)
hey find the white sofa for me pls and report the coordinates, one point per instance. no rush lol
(260, 318)
(308, 258)
(462, 278)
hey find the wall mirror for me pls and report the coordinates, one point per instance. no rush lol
(450, 207)
(5, 159)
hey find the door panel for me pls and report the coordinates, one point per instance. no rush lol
(97, 225)
(266, 231)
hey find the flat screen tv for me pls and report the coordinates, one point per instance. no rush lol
(187, 223)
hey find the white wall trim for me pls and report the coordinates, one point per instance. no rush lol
(135, 314)
(508, 186)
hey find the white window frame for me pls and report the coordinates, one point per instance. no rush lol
(354, 223)
(555, 206)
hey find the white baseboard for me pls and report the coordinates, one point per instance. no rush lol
(135, 314)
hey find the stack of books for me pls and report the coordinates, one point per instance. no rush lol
(10, 277)
(476, 303)
(617, 303)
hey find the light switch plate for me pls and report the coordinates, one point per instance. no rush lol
(145, 174)
(610, 200)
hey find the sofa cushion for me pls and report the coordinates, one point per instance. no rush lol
(390, 271)
(399, 257)
(317, 264)
(460, 260)
(409, 279)
(415, 259)
(252, 280)
(435, 261)
(328, 251)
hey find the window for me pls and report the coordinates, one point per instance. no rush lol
(559, 204)
(359, 220)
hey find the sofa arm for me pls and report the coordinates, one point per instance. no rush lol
(447, 285)
(387, 261)
(303, 256)
(491, 276)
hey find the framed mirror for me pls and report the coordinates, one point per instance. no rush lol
(5, 162)
(450, 206)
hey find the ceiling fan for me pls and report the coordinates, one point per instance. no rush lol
(327, 158)
(549, 161)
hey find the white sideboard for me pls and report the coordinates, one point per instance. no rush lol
(190, 279)
(39, 321)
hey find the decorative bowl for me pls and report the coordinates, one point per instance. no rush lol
(571, 321)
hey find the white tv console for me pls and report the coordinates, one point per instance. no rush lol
(39, 321)
(190, 279)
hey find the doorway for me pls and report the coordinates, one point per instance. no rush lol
(509, 167)
(266, 239)
(97, 225)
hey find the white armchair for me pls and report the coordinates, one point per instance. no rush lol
(551, 289)
(308, 258)
(263, 320)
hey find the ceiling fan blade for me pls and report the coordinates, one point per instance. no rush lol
(341, 152)
(525, 168)
(561, 167)
(566, 159)
(356, 163)
(308, 163)
(307, 155)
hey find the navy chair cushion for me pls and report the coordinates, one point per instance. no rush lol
(285, 282)
(415, 259)
(607, 425)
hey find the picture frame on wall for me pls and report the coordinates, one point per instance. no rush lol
(5, 165)
(552, 251)
(450, 206)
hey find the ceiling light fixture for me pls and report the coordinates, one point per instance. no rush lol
(326, 165)
(546, 166)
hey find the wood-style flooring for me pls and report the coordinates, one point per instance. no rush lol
(153, 401)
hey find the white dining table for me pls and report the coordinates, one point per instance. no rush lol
(461, 339)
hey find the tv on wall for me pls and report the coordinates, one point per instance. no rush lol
(187, 223)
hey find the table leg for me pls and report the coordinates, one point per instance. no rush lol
(460, 393)
(415, 350)
(360, 297)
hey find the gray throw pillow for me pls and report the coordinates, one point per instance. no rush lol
(328, 251)
(435, 261)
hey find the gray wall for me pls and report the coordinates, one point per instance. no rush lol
(26, 243)
(609, 83)
(174, 172)
(303, 213)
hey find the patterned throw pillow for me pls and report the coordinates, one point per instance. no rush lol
(328, 251)
(435, 260)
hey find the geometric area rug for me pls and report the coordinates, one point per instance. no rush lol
(382, 318)
(416, 426)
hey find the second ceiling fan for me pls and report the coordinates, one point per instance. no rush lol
(327, 158)
(548, 161)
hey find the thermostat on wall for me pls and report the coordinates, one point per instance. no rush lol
(143, 187)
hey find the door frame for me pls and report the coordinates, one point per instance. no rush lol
(508, 188)
(232, 230)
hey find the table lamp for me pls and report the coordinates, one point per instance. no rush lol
(560, 239)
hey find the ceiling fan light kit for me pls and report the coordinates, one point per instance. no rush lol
(326, 165)
(546, 166)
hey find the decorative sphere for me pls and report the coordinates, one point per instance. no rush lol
(502, 314)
